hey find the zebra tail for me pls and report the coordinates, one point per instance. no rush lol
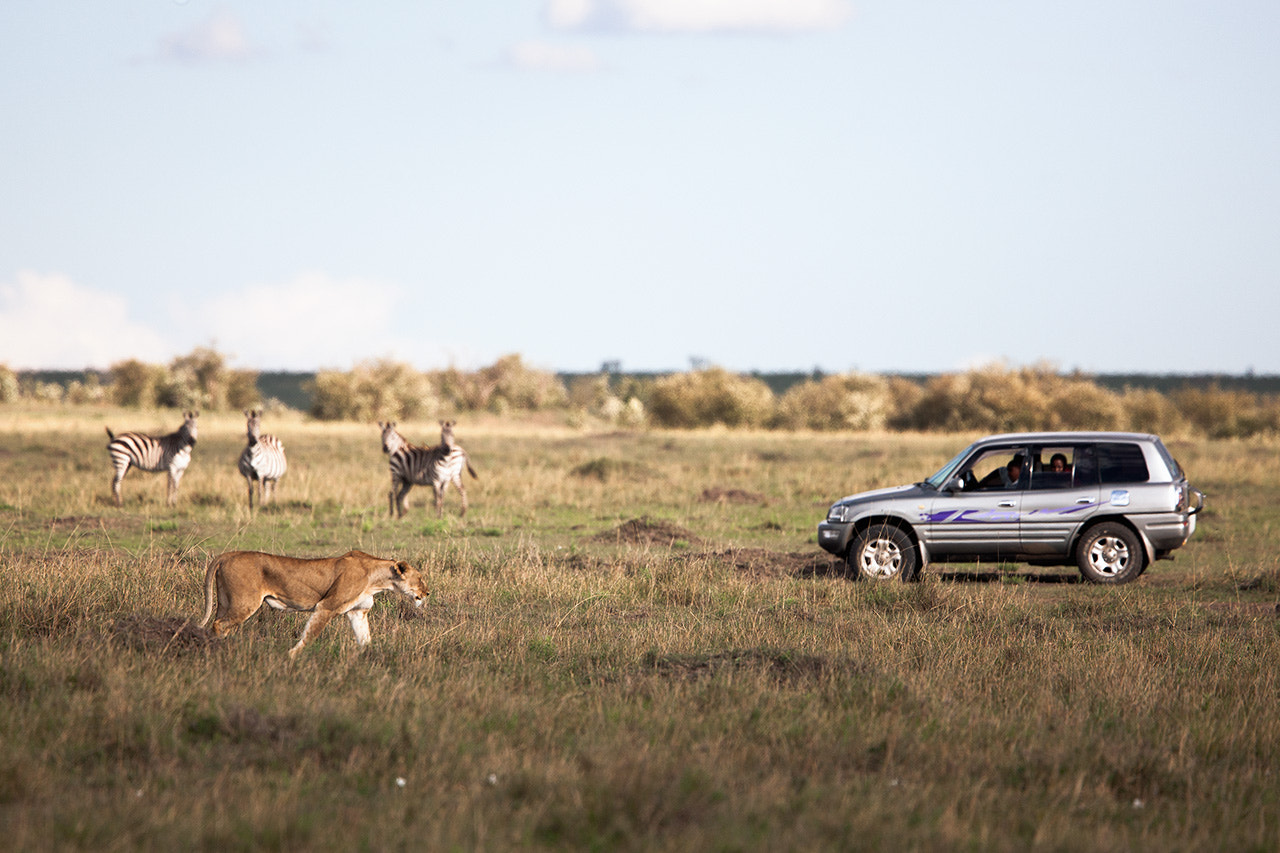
(472, 471)
(111, 436)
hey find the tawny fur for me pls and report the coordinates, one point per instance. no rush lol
(237, 584)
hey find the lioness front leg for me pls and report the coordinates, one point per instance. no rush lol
(360, 625)
(314, 626)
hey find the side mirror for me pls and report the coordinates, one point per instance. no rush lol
(955, 484)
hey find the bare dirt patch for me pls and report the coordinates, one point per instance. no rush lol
(731, 496)
(765, 563)
(161, 633)
(647, 531)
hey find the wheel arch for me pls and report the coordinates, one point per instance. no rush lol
(1148, 550)
(897, 521)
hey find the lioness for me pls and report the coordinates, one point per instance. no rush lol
(325, 587)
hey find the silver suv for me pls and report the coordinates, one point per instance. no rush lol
(1109, 502)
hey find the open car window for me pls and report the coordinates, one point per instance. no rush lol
(1053, 467)
(996, 469)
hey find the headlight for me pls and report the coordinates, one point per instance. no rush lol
(836, 513)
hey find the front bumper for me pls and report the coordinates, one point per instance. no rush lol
(833, 536)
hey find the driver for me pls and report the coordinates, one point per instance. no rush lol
(1004, 478)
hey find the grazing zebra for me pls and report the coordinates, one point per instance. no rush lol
(170, 453)
(413, 465)
(262, 460)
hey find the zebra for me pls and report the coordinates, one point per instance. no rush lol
(262, 460)
(170, 453)
(414, 465)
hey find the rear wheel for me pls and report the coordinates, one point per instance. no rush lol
(883, 552)
(1110, 553)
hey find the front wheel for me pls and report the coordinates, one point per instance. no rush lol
(1110, 553)
(882, 552)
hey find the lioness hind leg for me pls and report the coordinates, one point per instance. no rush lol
(314, 626)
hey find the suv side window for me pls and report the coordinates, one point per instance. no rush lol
(1052, 466)
(1086, 467)
(1122, 463)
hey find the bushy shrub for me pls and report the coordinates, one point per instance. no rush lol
(9, 389)
(135, 383)
(851, 401)
(90, 390)
(996, 399)
(990, 399)
(506, 384)
(1078, 403)
(198, 380)
(708, 397)
(594, 397)
(1223, 413)
(374, 389)
(1147, 410)
(904, 396)
(510, 383)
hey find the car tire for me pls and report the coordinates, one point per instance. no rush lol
(1110, 553)
(883, 552)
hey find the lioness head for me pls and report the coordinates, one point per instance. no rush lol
(409, 581)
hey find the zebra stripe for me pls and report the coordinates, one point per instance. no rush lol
(412, 465)
(170, 453)
(262, 459)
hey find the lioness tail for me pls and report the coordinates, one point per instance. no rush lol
(210, 597)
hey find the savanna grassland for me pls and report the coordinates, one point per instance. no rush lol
(632, 642)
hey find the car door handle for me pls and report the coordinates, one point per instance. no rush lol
(1084, 500)
(1007, 504)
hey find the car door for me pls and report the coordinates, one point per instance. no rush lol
(1057, 502)
(981, 517)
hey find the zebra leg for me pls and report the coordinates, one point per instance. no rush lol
(400, 499)
(175, 477)
(439, 489)
(115, 485)
(249, 480)
(462, 491)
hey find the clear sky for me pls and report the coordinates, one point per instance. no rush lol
(882, 185)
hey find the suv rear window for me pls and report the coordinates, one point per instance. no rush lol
(1122, 463)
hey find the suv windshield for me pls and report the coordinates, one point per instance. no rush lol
(947, 471)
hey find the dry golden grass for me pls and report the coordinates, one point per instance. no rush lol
(620, 652)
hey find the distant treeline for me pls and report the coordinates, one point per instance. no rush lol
(992, 398)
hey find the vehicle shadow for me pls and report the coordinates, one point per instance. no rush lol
(826, 567)
(1004, 577)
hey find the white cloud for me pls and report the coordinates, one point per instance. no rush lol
(48, 321)
(310, 322)
(220, 37)
(698, 16)
(544, 56)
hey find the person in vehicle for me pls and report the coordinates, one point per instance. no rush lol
(1058, 464)
(1004, 478)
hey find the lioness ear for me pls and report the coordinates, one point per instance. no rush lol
(400, 568)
